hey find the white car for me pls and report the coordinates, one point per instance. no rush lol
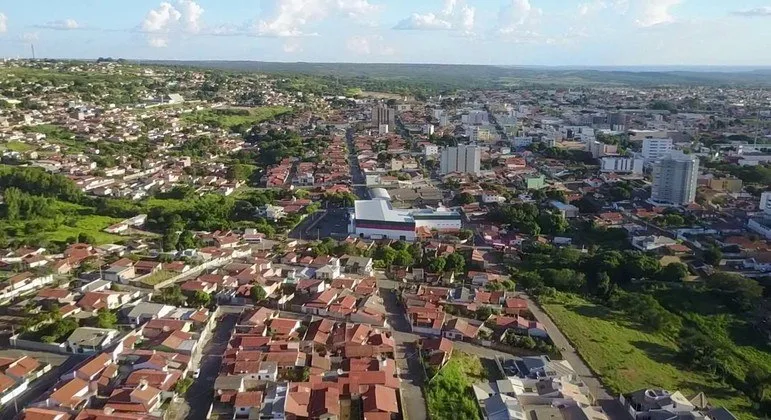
(197, 373)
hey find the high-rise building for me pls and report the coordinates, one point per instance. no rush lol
(656, 148)
(620, 164)
(463, 159)
(674, 179)
(765, 203)
(383, 115)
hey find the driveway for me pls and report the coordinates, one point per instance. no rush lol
(200, 395)
(610, 405)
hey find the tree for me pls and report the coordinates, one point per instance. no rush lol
(455, 263)
(106, 319)
(240, 172)
(740, 292)
(483, 313)
(466, 198)
(183, 385)
(201, 298)
(701, 352)
(403, 258)
(86, 238)
(257, 293)
(675, 272)
(713, 255)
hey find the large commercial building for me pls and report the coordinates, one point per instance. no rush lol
(463, 159)
(622, 165)
(674, 179)
(765, 203)
(377, 219)
(383, 115)
(656, 148)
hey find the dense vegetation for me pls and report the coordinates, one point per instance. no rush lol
(238, 120)
(449, 394)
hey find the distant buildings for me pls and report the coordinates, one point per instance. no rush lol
(383, 115)
(656, 148)
(622, 165)
(463, 159)
(674, 179)
(765, 202)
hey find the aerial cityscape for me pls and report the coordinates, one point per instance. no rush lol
(205, 233)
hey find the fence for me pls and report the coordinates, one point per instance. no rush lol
(19, 343)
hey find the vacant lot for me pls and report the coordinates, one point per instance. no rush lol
(626, 358)
(235, 118)
(91, 225)
(449, 394)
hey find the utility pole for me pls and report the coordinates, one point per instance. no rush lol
(33, 50)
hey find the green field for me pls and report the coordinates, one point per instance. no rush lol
(91, 225)
(17, 146)
(157, 277)
(626, 358)
(231, 118)
(449, 394)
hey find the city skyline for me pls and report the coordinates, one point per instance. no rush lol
(510, 32)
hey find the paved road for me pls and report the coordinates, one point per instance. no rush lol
(200, 395)
(357, 176)
(410, 370)
(610, 405)
(40, 386)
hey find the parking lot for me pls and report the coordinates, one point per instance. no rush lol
(333, 225)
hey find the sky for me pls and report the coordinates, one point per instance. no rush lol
(501, 32)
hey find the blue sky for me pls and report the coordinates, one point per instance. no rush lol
(509, 32)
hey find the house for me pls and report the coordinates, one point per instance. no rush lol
(72, 395)
(657, 403)
(362, 266)
(16, 376)
(460, 329)
(380, 399)
(144, 267)
(426, 320)
(119, 273)
(23, 283)
(246, 403)
(142, 398)
(329, 271)
(437, 350)
(90, 340)
(145, 311)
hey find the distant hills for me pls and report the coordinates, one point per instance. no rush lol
(478, 76)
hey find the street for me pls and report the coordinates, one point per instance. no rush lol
(357, 176)
(201, 395)
(609, 404)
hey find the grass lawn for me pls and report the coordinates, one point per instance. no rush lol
(228, 118)
(627, 358)
(449, 394)
(17, 146)
(157, 277)
(171, 204)
(91, 225)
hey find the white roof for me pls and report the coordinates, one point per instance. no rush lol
(380, 210)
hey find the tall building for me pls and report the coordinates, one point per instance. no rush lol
(674, 179)
(621, 164)
(463, 159)
(765, 203)
(383, 115)
(656, 148)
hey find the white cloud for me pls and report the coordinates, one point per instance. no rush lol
(515, 15)
(158, 42)
(3, 23)
(29, 37)
(292, 17)
(161, 19)
(369, 45)
(358, 45)
(656, 12)
(168, 19)
(62, 25)
(292, 46)
(455, 15)
(191, 15)
(755, 12)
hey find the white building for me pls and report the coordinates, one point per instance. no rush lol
(656, 148)
(765, 202)
(430, 150)
(428, 129)
(675, 178)
(463, 159)
(377, 219)
(620, 164)
(90, 340)
(599, 149)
